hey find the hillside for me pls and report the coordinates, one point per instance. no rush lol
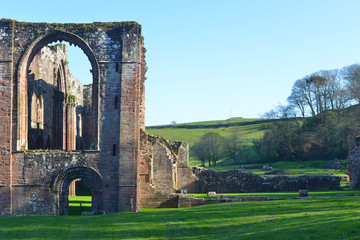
(248, 129)
(326, 136)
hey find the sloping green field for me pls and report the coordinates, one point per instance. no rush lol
(328, 218)
(246, 132)
(190, 135)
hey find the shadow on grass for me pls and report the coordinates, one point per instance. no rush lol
(79, 204)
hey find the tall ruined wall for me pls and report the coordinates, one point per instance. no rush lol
(6, 114)
(354, 164)
(143, 69)
(116, 54)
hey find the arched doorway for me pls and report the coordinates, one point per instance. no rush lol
(22, 88)
(60, 187)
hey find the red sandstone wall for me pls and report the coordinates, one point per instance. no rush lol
(143, 70)
(163, 169)
(6, 72)
(129, 136)
(114, 131)
(185, 179)
(32, 177)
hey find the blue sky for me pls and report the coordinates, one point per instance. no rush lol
(210, 60)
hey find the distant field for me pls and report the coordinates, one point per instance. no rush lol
(328, 218)
(215, 122)
(246, 133)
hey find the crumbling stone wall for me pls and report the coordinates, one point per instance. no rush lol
(163, 170)
(164, 173)
(115, 51)
(236, 181)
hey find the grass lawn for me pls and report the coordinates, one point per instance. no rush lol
(333, 218)
(310, 168)
(78, 204)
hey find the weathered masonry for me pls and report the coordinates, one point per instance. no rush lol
(354, 164)
(54, 130)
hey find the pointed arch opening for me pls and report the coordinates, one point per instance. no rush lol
(62, 108)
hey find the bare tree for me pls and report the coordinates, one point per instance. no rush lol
(352, 76)
(302, 91)
(297, 98)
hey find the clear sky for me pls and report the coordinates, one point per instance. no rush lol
(210, 60)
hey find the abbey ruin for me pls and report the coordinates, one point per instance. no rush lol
(55, 130)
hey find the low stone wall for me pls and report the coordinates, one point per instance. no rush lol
(164, 171)
(236, 181)
(161, 201)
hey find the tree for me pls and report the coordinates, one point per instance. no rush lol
(298, 98)
(302, 96)
(209, 147)
(321, 91)
(232, 145)
(282, 137)
(318, 88)
(333, 87)
(352, 76)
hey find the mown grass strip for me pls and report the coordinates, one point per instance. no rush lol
(333, 218)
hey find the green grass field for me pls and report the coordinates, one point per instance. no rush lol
(79, 204)
(214, 122)
(247, 132)
(310, 168)
(329, 218)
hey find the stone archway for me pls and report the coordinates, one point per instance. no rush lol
(22, 78)
(60, 187)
